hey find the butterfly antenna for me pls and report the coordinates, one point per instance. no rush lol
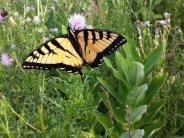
(82, 76)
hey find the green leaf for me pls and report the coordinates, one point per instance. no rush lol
(136, 114)
(153, 88)
(104, 121)
(131, 50)
(108, 63)
(117, 74)
(64, 29)
(152, 60)
(133, 134)
(118, 113)
(111, 90)
(151, 113)
(122, 64)
(135, 73)
(151, 129)
(135, 96)
(140, 72)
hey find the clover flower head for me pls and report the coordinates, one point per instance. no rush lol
(16, 14)
(147, 23)
(77, 21)
(6, 60)
(28, 9)
(166, 14)
(28, 20)
(54, 30)
(162, 22)
(36, 20)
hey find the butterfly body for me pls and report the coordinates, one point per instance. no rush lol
(74, 50)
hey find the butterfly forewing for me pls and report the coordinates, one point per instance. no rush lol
(95, 44)
(56, 53)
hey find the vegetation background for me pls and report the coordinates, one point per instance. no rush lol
(56, 104)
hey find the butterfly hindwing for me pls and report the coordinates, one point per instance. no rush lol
(55, 53)
(95, 44)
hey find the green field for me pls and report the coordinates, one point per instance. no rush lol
(138, 92)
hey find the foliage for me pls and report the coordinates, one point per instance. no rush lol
(137, 93)
(131, 111)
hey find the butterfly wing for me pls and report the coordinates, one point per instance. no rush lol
(95, 44)
(56, 53)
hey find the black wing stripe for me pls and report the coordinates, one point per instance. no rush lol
(85, 39)
(108, 35)
(32, 65)
(40, 51)
(100, 34)
(120, 40)
(94, 36)
(75, 43)
(58, 45)
(48, 48)
(33, 56)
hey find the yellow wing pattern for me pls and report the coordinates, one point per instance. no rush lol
(56, 53)
(95, 44)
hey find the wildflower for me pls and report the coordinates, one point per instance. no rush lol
(40, 30)
(76, 21)
(3, 14)
(28, 20)
(54, 30)
(89, 27)
(28, 9)
(45, 39)
(16, 14)
(53, 8)
(36, 20)
(6, 60)
(147, 23)
(162, 22)
(1, 19)
(166, 14)
(137, 22)
(13, 46)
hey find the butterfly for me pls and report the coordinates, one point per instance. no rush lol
(72, 51)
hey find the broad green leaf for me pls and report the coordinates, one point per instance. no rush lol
(64, 29)
(136, 96)
(105, 121)
(151, 113)
(131, 50)
(136, 73)
(152, 60)
(153, 88)
(108, 63)
(110, 89)
(117, 74)
(133, 134)
(118, 113)
(136, 114)
(140, 72)
(151, 129)
(122, 65)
